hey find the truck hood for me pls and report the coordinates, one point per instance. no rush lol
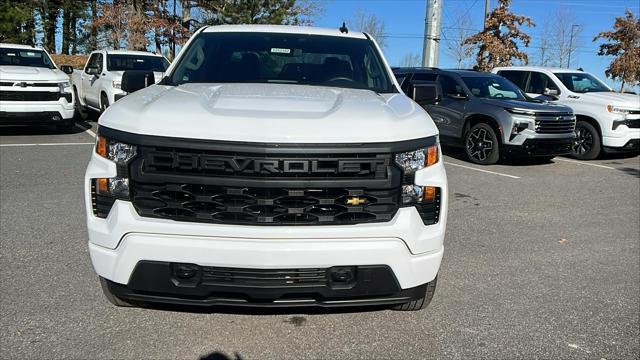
(611, 98)
(535, 106)
(280, 113)
(28, 73)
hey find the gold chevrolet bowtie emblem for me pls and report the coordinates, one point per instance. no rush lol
(356, 201)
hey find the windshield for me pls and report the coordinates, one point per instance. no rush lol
(117, 62)
(23, 57)
(282, 58)
(493, 87)
(582, 82)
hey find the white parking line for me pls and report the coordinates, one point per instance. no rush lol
(46, 144)
(585, 163)
(482, 170)
(88, 131)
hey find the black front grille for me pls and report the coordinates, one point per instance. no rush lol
(555, 123)
(264, 277)
(29, 96)
(169, 161)
(264, 206)
(633, 123)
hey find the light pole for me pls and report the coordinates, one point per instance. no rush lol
(571, 44)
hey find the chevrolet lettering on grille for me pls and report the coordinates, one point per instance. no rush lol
(256, 166)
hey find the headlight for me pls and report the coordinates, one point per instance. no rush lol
(105, 191)
(116, 151)
(412, 161)
(116, 84)
(426, 199)
(617, 110)
(65, 86)
(521, 111)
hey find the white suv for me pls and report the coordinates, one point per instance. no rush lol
(606, 120)
(272, 166)
(33, 91)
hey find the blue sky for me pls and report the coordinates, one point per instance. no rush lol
(404, 23)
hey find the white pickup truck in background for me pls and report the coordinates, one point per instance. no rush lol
(33, 91)
(98, 85)
(606, 120)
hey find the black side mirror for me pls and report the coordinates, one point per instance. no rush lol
(134, 80)
(427, 93)
(67, 69)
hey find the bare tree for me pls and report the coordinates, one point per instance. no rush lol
(563, 43)
(456, 46)
(545, 45)
(411, 60)
(370, 24)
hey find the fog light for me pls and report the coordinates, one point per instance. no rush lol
(56, 118)
(185, 271)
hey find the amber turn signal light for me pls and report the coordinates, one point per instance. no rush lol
(102, 185)
(429, 194)
(432, 155)
(101, 146)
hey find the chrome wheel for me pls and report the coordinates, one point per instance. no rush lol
(479, 144)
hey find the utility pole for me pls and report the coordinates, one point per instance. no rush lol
(431, 46)
(571, 45)
(486, 13)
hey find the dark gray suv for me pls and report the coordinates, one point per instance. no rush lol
(488, 114)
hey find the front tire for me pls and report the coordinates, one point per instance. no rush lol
(422, 302)
(111, 296)
(481, 144)
(104, 103)
(80, 111)
(586, 145)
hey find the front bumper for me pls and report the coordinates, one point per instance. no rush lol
(410, 250)
(163, 282)
(541, 147)
(30, 112)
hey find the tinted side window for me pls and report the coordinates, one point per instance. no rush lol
(93, 61)
(517, 77)
(538, 82)
(450, 85)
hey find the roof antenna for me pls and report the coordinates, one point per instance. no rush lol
(343, 29)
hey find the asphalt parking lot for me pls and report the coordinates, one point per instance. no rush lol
(541, 261)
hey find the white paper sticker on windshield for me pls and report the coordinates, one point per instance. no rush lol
(280, 51)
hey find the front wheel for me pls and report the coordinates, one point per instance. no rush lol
(586, 145)
(422, 302)
(481, 144)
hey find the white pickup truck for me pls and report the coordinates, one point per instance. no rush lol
(33, 91)
(273, 166)
(98, 85)
(606, 120)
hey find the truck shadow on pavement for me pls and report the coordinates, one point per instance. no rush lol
(241, 310)
(217, 355)
(79, 127)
